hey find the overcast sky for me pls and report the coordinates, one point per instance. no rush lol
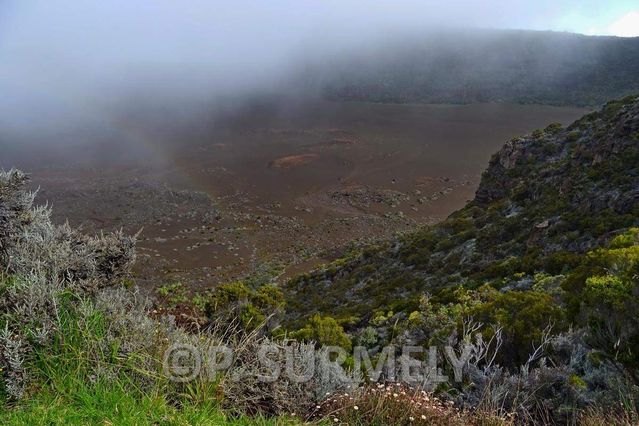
(59, 57)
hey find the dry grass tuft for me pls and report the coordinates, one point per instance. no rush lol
(398, 404)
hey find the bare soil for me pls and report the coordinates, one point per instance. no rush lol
(276, 191)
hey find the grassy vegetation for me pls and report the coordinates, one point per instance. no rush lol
(112, 405)
(546, 255)
(562, 196)
(539, 279)
(69, 389)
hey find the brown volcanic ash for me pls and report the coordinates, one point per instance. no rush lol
(291, 161)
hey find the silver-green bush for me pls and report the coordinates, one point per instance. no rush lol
(40, 262)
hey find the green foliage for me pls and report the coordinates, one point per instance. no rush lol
(550, 284)
(173, 294)
(573, 136)
(368, 337)
(438, 321)
(502, 268)
(604, 291)
(625, 240)
(520, 192)
(325, 331)
(103, 404)
(252, 306)
(6, 282)
(84, 381)
(524, 315)
(544, 201)
(559, 262)
(553, 128)
(264, 274)
(527, 229)
(73, 392)
(578, 382)
(609, 290)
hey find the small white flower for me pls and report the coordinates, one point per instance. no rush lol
(423, 417)
(355, 408)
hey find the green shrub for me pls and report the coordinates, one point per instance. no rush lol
(603, 293)
(553, 128)
(524, 316)
(627, 239)
(573, 136)
(325, 331)
(173, 294)
(608, 289)
(538, 134)
(231, 301)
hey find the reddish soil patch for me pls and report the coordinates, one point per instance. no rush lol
(291, 161)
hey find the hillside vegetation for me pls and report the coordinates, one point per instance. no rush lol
(488, 66)
(548, 249)
(545, 200)
(537, 277)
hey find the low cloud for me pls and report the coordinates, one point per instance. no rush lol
(68, 64)
(626, 26)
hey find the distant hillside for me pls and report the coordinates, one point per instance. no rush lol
(488, 66)
(545, 200)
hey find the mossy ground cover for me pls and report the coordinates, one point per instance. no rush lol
(66, 390)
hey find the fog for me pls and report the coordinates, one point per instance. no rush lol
(67, 68)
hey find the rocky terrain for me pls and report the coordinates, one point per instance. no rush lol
(545, 199)
(535, 279)
(276, 190)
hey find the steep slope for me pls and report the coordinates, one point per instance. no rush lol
(489, 66)
(545, 200)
